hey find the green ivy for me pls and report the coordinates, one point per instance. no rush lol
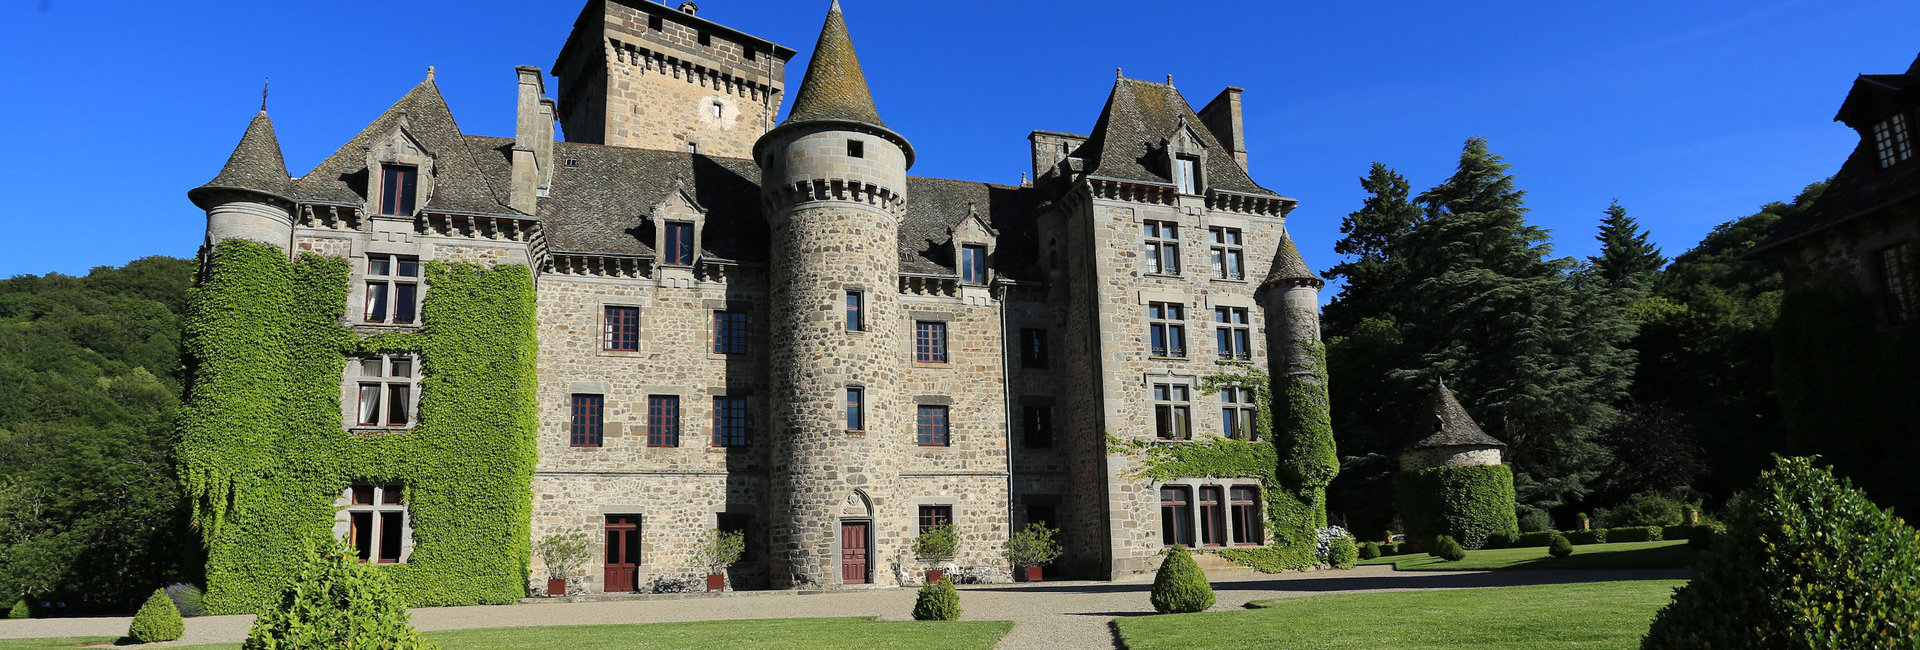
(263, 455)
(1470, 504)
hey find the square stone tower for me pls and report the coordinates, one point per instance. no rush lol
(635, 73)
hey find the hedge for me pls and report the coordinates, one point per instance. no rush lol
(1633, 534)
(1583, 537)
(1470, 504)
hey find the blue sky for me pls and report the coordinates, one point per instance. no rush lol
(1690, 113)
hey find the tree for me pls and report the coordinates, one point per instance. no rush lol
(1653, 450)
(1371, 236)
(1627, 259)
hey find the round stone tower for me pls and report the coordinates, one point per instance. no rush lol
(833, 183)
(1291, 301)
(251, 199)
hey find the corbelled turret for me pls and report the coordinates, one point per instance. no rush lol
(251, 198)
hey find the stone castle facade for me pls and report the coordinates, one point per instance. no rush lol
(772, 327)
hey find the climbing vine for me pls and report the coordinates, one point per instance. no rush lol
(264, 457)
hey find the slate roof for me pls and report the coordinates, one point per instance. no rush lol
(255, 166)
(936, 205)
(1287, 264)
(1126, 141)
(835, 88)
(1450, 426)
(1862, 185)
(460, 184)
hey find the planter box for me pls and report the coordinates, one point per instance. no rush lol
(935, 575)
(716, 582)
(556, 587)
(1033, 574)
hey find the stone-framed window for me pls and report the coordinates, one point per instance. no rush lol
(856, 149)
(621, 327)
(1212, 508)
(730, 425)
(1033, 348)
(383, 391)
(1172, 412)
(1186, 174)
(1167, 329)
(730, 330)
(929, 342)
(856, 311)
(856, 408)
(1890, 140)
(1162, 247)
(1204, 512)
(1897, 282)
(393, 289)
(932, 516)
(1233, 335)
(1176, 515)
(677, 244)
(932, 427)
(589, 420)
(374, 520)
(973, 264)
(1248, 526)
(399, 187)
(1227, 253)
(1237, 410)
(663, 420)
(1037, 426)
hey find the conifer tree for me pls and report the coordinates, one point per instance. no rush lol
(1627, 259)
(1370, 237)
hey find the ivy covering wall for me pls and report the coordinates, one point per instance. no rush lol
(1471, 504)
(263, 455)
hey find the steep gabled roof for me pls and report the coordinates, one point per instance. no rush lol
(1126, 141)
(459, 182)
(835, 88)
(1449, 425)
(935, 206)
(1287, 265)
(255, 166)
(599, 204)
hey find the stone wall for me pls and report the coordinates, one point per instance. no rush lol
(1462, 456)
(660, 86)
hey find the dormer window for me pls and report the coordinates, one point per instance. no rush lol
(678, 248)
(397, 187)
(1891, 141)
(1185, 174)
(973, 264)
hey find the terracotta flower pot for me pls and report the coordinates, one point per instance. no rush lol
(716, 582)
(935, 575)
(556, 586)
(1033, 574)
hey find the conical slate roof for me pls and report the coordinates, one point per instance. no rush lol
(255, 166)
(1450, 425)
(1288, 266)
(835, 88)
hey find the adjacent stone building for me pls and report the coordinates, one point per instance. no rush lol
(774, 328)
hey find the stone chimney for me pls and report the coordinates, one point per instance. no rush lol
(532, 141)
(1222, 117)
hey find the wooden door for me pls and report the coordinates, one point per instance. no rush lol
(853, 552)
(623, 552)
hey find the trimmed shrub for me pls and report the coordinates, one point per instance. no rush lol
(1271, 559)
(1595, 536)
(1703, 536)
(1394, 548)
(1536, 539)
(1468, 504)
(1633, 534)
(20, 609)
(1535, 521)
(337, 603)
(1558, 546)
(1369, 550)
(1341, 553)
(1806, 561)
(1644, 509)
(1180, 587)
(1446, 548)
(1676, 532)
(938, 601)
(190, 600)
(157, 620)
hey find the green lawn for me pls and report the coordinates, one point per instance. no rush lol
(1673, 554)
(765, 633)
(1585, 615)
(50, 644)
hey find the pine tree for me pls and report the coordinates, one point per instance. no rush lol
(1370, 237)
(1627, 259)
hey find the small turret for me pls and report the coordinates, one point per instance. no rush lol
(1292, 302)
(1448, 437)
(251, 199)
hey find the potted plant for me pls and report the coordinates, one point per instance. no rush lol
(563, 554)
(1033, 548)
(718, 550)
(936, 543)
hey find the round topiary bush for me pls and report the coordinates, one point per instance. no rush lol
(157, 620)
(938, 601)
(20, 609)
(1341, 552)
(1806, 561)
(1369, 550)
(1447, 548)
(1180, 587)
(1558, 546)
(336, 603)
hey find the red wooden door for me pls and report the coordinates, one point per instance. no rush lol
(853, 553)
(623, 552)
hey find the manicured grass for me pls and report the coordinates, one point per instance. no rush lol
(1583, 615)
(1673, 554)
(51, 644)
(864, 633)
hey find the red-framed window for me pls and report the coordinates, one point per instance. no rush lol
(386, 392)
(398, 184)
(730, 422)
(376, 522)
(589, 412)
(393, 289)
(678, 244)
(856, 311)
(973, 264)
(1213, 520)
(930, 342)
(1247, 523)
(932, 426)
(663, 420)
(729, 332)
(1176, 516)
(932, 517)
(622, 329)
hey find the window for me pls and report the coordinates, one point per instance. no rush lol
(1246, 516)
(856, 408)
(678, 246)
(1896, 282)
(1172, 413)
(729, 332)
(1041, 513)
(706, 40)
(932, 517)
(589, 413)
(622, 329)
(1236, 413)
(1890, 139)
(929, 342)
(1163, 247)
(931, 423)
(856, 149)
(393, 289)
(1176, 516)
(856, 311)
(654, 23)
(397, 186)
(973, 264)
(736, 522)
(1229, 259)
(1213, 520)
(1232, 336)
(1038, 424)
(663, 420)
(1185, 178)
(377, 522)
(385, 390)
(693, 147)
(1033, 348)
(1167, 329)
(729, 421)
(719, 109)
